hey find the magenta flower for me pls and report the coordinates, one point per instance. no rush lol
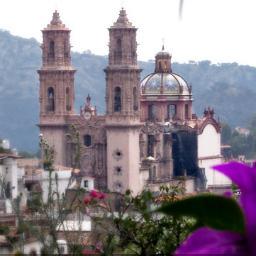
(87, 200)
(97, 195)
(207, 241)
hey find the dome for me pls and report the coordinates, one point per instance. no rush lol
(163, 81)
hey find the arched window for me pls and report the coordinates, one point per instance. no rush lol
(186, 111)
(50, 99)
(68, 107)
(118, 50)
(171, 111)
(87, 140)
(152, 112)
(154, 173)
(66, 49)
(119, 46)
(159, 65)
(51, 49)
(117, 100)
(135, 99)
(151, 143)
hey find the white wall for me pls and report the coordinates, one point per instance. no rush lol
(63, 182)
(126, 140)
(90, 181)
(36, 246)
(209, 154)
(10, 171)
(75, 225)
(214, 178)
(209, 142)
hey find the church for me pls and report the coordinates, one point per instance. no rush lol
(149, 135)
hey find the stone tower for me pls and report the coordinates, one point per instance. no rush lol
(56, 86)
(122, 105)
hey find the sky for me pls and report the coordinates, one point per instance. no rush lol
(215, 30)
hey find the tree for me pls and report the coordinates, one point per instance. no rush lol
(226, 133)
(49, 217)
(129, 224)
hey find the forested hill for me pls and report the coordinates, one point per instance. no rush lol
(228, 87)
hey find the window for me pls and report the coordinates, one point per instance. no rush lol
(117, 100)
(50, 99)
(118, 170)
(152, 173)
(86, 184)
(152, 112)
(151, 142)
(186, 111)
(135, 99)
(117, 154)
(118, 51)
(159, 65)
(68, 107)
(51, 49)
(171, 111)
(119, 47)
(66, 50)
(118, 187)
(87, 140)
(62, 249)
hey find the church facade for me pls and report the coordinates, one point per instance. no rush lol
(148, 136)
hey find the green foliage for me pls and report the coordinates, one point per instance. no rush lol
(226, 133)
(241, 144)
(132, 227)
(206, 210)
(4, 230)
(18, 253)
(35, 202)
(75, 249)
(2, 150)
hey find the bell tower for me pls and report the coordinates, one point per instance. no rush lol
(56, 85)
(123, 106)
(122, 73)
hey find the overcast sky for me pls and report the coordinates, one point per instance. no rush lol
(217, 30)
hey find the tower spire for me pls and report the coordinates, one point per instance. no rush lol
(56, 18)
(56, 22)
(122, 20)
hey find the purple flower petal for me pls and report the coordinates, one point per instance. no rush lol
(206, 241)
(248, 201)
(228, 194)
(243, 175)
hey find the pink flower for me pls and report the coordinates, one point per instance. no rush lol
(102, 196)
(97, 195)
(87, 199)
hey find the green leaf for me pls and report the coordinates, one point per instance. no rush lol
(211, 210)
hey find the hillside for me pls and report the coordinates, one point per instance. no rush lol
(228, 87)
